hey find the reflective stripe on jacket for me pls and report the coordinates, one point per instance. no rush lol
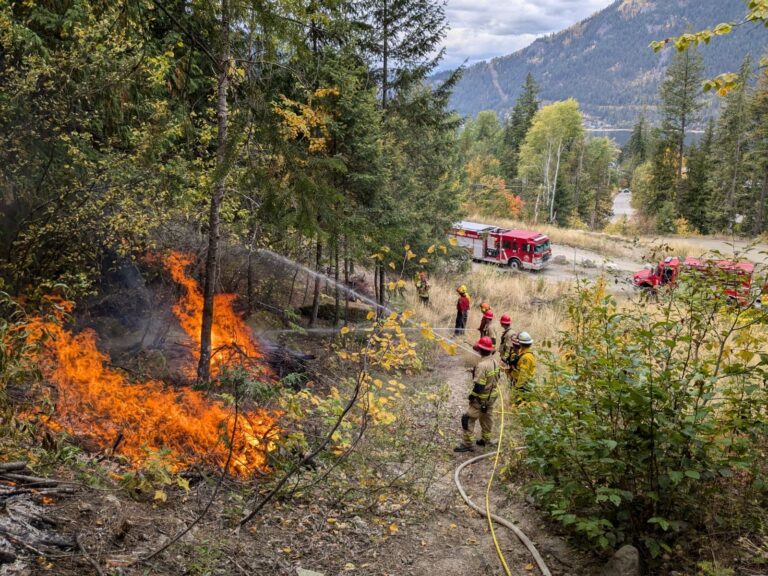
(487, 376)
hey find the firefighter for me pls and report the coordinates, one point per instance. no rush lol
(462, 310)
(505, 340)
(422, 288)
(522, 366)
(486, 326)
(486, 378)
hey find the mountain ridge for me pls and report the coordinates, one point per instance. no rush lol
(605, 62)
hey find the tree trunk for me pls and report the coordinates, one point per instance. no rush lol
(376, 282)
(211, 264)
(289, 303)
(385, 58)
(346, 281)
(545, 175)
(760, 218)
(734, 181)
(316, 294)
(382, 292)
(681, 144)
(577, 185)
(337, 310)
(249, 281)
(554, 183)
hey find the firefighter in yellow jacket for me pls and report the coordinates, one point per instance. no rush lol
(486, 378)
(522, 366)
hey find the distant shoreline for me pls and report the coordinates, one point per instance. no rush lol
(630, 130)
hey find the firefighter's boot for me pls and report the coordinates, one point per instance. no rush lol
(467, 425)
(483, 443)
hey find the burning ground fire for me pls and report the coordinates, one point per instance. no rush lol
(98, 403)
(230, 336)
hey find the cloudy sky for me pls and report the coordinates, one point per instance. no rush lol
(483, 29)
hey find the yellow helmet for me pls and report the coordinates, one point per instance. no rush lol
(461, 289)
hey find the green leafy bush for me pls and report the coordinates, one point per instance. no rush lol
(649, 411)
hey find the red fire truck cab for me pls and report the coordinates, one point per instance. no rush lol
(518, 249)
(737, 276)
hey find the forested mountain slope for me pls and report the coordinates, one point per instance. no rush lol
(604, 61)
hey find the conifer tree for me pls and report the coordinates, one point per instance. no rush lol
(400, 40)
(757, 155)
(681, 103)
(517, 126)
(728, 169)
(636, 150)
(696, 201)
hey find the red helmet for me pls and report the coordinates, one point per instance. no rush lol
(488, 315)
(485, 343)
(505, 320)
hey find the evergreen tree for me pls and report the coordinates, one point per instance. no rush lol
(681, 103)
(729, 176)
(597, 201)
(400, 40)
(698, 192)
(757, 156)
(635, 152)
(696, 201)
(517, 126)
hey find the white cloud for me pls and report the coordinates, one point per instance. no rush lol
(483, 29)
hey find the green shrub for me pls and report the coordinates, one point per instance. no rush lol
(648, 412)
(665, 219)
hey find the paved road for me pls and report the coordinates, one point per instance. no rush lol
(621, 206)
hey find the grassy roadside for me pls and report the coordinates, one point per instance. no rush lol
(534, 303)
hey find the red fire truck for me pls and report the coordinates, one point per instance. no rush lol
(736, 276)
(518, 249)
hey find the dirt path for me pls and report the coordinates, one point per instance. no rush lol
(456, 540)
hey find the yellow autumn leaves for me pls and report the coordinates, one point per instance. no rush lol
(385, 254)
(307, 121)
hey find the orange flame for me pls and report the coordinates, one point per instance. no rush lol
(98, 403)
(230, 336)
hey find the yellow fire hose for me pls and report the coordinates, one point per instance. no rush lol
(493, 517)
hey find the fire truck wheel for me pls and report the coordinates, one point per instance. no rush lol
(514, 263)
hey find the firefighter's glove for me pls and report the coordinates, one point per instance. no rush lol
(478, 389)
(471, 397)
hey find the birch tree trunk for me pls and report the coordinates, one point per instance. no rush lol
(554, 183)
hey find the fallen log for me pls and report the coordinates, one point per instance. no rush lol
(29, 481)
(59, 491)
(14, 466)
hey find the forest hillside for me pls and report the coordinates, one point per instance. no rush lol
(604, 61)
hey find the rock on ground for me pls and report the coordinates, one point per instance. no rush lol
(625, 562)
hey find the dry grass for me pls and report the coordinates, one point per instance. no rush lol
(654, 249)
(534, 303)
